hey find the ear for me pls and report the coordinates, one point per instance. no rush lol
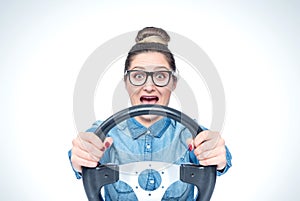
(174, 84)
(125, 82)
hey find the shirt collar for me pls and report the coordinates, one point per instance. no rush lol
(157, 129)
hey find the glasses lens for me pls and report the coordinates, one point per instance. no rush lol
(161, 78)
(137, 77)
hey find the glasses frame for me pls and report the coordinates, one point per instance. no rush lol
(171, 73)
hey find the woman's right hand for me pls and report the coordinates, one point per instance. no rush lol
(88, 149)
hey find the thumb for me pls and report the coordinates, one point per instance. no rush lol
(190, 144)
(108, 142)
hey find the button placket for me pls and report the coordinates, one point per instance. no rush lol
(148, 143)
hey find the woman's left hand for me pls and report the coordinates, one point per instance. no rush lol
(209, 148)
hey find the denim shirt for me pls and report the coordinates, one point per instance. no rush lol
(165, 141)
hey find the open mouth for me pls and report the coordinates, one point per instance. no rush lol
(149, 99)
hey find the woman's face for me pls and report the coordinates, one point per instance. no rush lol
(149, 93)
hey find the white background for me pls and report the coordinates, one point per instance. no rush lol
(253, 44)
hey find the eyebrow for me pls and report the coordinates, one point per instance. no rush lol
(155, 68)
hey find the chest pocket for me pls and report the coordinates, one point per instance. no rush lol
(179, 191)
(119, 191)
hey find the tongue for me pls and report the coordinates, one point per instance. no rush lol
(149, 100)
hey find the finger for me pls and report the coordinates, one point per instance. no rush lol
(218, 151)
(95, 141)
(202, 137)
(108, 142)
(94, 152)
(212, 142)
(88, 147)
(218, 161)
(78, 163)
(190, 144)
(87, 155)
(213, 157)
(90, 137)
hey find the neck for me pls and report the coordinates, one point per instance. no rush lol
(148, 120)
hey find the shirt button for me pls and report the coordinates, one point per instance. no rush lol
(148, 146)
(148, 132)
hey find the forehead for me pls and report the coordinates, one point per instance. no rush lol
(149, 61)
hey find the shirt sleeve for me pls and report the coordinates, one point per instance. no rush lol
(228, 159)
(219, 172)
(228, 164)
(77, 174)
(92, 129)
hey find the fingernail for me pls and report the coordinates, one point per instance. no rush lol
(190, 147)
(107, 144)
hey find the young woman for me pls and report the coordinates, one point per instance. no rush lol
(150, 78)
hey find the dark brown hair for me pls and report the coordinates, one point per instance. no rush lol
(149, 46)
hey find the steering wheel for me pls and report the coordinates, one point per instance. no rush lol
(202, 177)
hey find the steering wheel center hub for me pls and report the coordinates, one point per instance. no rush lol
(149, 179)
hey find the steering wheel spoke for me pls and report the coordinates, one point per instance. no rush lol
(130, 173)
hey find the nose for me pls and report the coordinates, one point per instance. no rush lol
(149, 85)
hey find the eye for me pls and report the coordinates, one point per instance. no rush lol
(138, 75)
(161, 75)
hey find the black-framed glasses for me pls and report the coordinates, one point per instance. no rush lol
(139, 77)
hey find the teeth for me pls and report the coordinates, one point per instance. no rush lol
(149, 98)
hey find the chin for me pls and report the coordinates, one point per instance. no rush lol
(151, 118)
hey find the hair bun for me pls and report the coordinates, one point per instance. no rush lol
(152, 35)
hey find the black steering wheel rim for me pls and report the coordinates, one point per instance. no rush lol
(187, 172)
(146, 109)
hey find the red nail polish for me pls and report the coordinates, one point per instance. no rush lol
(107, 144)
(190, 147)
